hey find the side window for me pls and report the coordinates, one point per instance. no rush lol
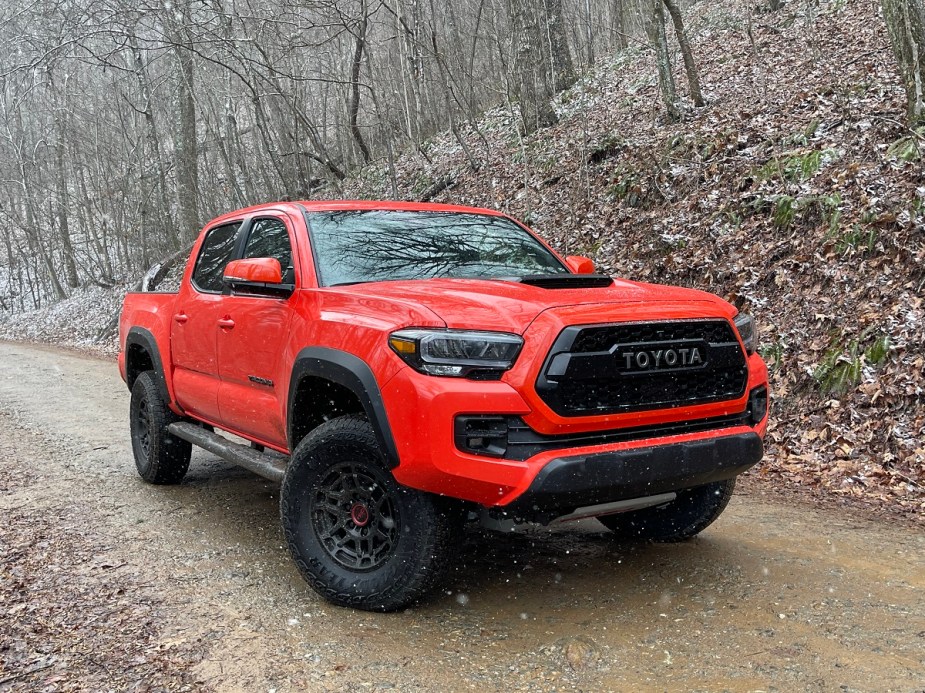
(217, 251)
(269, 238)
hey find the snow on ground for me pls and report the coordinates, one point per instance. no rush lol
(76, 322)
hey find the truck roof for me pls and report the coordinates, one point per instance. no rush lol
(355, 205)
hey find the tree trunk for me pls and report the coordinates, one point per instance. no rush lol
(905, 23)
(186, 144)
(164, 215)
(353, 105)
(690, 67)
(655, 29)
(563, 69)
(619, 23)
(532, 80)
(70, 265)
(62, 206)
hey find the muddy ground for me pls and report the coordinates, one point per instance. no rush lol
(108, 583)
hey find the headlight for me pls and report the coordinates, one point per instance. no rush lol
(748, 331)
(456, 353)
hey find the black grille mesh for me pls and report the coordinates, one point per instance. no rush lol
(601, 338)
(723, 377)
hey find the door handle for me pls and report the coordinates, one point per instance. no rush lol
(226, 323)
(181, 318)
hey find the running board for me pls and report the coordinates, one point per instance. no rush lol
(268, 466)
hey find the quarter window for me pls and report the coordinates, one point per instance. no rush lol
(217, 251)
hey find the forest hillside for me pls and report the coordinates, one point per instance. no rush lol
(796, 192)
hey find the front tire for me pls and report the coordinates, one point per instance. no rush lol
(160, 457)
(358, 537)
(686, 516)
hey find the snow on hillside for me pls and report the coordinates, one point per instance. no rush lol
(75, 322)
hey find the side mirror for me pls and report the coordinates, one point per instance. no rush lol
(257, 276)
(264, 270)
(580, 264)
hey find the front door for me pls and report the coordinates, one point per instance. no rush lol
(253, 393)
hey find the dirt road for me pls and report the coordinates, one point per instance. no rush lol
(106, 582)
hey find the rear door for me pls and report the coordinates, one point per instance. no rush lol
(252, 397)
(197, 323)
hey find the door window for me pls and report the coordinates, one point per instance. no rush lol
(269, 238)
(217, 251)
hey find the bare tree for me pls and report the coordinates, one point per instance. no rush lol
(533, 81)
(186, 143)
(655, 29)
(905, 23)
(124, 124)
(690, 67)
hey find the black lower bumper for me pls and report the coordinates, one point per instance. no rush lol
(567, 483)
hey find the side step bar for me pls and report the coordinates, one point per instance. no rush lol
(265, 465)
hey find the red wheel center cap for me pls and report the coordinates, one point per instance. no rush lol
(359, 513)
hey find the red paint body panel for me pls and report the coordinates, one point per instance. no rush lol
(228, 360)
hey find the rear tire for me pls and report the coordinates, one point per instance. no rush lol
(160, 457)
(686, 516)
(358, 537)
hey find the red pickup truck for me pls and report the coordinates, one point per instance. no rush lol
(401, 368)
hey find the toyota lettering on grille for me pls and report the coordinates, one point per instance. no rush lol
(636, 358)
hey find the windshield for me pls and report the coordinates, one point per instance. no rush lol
(379, 245)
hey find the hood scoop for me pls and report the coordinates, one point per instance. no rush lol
(565, 281)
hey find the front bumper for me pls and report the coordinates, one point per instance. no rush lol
(423, 410)
(570, 482)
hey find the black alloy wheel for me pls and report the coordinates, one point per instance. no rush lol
(354, 518)
(358, 537)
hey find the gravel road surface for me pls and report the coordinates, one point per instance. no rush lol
(109, 583)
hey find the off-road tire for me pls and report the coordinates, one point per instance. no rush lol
(686, 516)
(160, 457)
(337, 477)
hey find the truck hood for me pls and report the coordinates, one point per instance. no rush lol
(510, 306)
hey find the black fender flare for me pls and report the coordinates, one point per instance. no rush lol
(139, 336)
(353, 373)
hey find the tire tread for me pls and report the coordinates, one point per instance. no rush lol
(429, 552)
(169, 456)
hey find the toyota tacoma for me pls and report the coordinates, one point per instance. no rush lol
(402, 368)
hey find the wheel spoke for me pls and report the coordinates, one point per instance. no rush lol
(354, 517)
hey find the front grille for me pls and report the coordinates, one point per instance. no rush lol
(607, 369)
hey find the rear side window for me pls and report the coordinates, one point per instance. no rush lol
(269, 238)
(217, 251)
